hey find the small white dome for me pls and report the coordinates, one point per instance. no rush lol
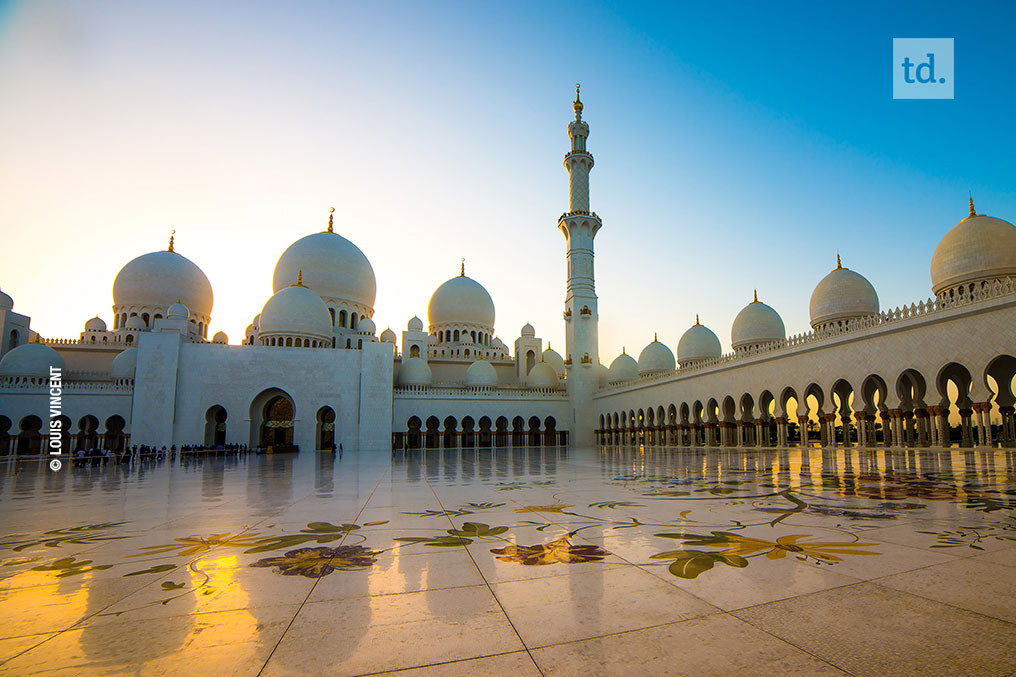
(296, 310)
(552, 358)
(220, 337)
(95, 324)
(159, 279)
(388, 336)
(542, 375)
(528, 331)
(366, 326)
(415, 324)
(125, 364)
(623, 368)
(461, 300)
(332, 267)
(177, 311)
(250, 331)
(481, 373)
(842, 295)
(698, 343)
(603, 374)
(414, 372)
(977, 248)
(135, 323)
(757, 323)
(30, 359)
(656, 357)
(498, 344)
(6, 302)
(256, 322)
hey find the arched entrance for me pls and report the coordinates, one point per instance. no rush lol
(30, 438)
(215, 426)
(326, 429)
(272, 416)
(114, 438)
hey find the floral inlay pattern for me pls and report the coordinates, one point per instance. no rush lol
(318, 562)
(559, 551)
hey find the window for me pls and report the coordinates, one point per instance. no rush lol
(342, 318)
(414, 351)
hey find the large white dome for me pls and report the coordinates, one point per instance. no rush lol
(656, 357)
(623, 368)
(6, 302)
(542, 375)
(556, 362)
(333, 268)
(296, 311)
(756, 323)
(698, 343)
(481, 373)
(461, 300)
(842, 295)
(977, 248)
(125, 364)
(31, 359)
(414, 372)
(95, 324)
(160, 279)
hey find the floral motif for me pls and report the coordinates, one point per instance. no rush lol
(559, 551)
(557, 507)
(197, 545)
(318, 562)
(739, 546)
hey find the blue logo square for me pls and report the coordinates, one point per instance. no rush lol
(923, 68)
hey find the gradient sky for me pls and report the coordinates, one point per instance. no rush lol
(738, 145)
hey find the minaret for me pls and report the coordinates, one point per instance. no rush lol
(579, 226)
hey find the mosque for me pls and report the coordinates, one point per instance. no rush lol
(311, 371)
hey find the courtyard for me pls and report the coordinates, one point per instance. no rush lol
(514, 561)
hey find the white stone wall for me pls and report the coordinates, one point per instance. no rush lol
(971, 335)
(178, 382)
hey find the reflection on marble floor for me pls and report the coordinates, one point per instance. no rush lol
(514, 561)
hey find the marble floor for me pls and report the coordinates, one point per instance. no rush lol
(615, 561)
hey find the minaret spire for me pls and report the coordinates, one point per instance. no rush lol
(838, 264)
(972, 212)
(330, 213)
(579, 226)
(462, 269)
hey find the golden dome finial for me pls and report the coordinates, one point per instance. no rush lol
(755, 299)
(838, 264)
(462, 268)
(330, 213)
(655, 340)
(577, 106)
(972, 212)
(172, 233)
(697, 323)
(299, 278)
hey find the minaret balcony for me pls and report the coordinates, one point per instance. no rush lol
(567, 315)
(578, 212)
(578, 152)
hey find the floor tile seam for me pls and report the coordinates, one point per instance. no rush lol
(487, 583)
(734, 612)
(654, 626)
(313, 587)
(803, 650)
(31, 648)
(398, 671)
(948, 604)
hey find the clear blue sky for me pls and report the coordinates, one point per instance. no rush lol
(738, 145)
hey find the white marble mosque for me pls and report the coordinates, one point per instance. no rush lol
(312, 372)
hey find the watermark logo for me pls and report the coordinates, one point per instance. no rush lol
(923, 68)
(56, 431)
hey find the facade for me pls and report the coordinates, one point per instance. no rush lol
(311, 372)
